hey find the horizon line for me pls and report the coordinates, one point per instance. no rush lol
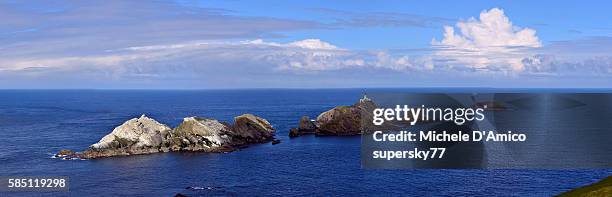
(318, 88)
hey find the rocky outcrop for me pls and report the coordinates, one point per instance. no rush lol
(64, 153)
(145, 135)
(67, 154)
(201, 134)
(136, 136)
(252, 129)
(306, 126)
(341, 120)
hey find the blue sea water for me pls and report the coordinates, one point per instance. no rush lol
(34, 124)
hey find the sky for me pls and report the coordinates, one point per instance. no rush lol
(304, 44)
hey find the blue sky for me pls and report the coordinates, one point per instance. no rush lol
(307, 44)
(554, 20)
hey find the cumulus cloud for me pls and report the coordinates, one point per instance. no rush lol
(490, 42)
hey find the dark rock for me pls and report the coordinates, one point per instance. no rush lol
(228, 148)
(305, 127)
(306, 124)
(294, 132)
(275, 141)
(64, 152)
(345, 120)
(252, 129)
(341, 120)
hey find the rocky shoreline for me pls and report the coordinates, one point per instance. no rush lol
(145, 135)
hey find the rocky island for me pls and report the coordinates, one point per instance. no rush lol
(341, 120)
(145, 135)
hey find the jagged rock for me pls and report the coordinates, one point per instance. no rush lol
(341, 120)
(64, 152)
(306, 124)
(198, 134)
(345, 120)
(137, 133)
(294, 132)
(144, 135)
(305, 127)
(252, 129)
(136, 136)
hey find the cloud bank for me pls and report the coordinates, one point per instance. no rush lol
(196, 47)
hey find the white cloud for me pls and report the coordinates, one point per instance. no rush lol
(92, 29)
(402, 62)
(313, 44)
(306, 55)
(201, 45)
(491, 42)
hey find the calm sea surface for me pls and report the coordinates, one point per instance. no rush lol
(34, 124)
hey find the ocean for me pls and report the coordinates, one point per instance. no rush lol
(35, 124)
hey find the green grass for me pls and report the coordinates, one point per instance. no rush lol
(601, 188)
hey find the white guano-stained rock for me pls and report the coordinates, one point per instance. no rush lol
(200, 133)
(144, 135)
(143, 132)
